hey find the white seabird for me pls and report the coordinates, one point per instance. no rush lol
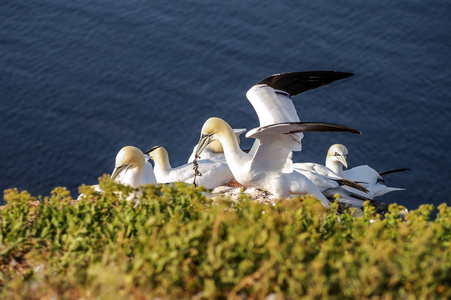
(130, 169)
(365, 175)
(324, 177)
(271, 99)
(215, 172)
(265, 169)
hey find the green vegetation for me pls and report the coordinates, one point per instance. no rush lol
(177, 244)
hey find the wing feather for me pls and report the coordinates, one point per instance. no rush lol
(295, 83)
(276, 142)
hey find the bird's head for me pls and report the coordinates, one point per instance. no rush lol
(128, 157)
(156, 153)
(338, 153)
(211, 131)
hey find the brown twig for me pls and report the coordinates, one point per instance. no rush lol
(196, 169)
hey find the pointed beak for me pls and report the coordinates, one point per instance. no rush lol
(342, 159)
(203, 143)
(119, 170)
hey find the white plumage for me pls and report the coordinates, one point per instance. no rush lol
(365, 175)
(130, 169)
(265, 169)
(214, 150)
(215, 172)
(268, 165)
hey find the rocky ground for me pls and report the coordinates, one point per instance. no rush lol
(233, 189)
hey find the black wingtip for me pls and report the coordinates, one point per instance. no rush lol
(295, 127)
(295, 83)
(394, 171)
(151, 149)
(327, 127)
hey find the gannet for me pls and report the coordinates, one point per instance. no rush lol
(214, 150)
(130, 169)
(271, 99)
(336, 159)
(323, 176)
(214, 172)
(266, 168)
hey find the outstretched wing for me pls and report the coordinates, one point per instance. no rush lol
(278, 140)
(271, 97)
(295, 83)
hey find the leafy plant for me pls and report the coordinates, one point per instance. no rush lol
(176, 243)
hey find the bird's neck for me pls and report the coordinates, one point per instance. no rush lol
(335, 166)
(133, 177)
(162, 163)
(235, 157)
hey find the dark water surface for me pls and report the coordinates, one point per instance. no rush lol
(81, 79)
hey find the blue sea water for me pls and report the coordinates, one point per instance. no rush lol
(81, 79)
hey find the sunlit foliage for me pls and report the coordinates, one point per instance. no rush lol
(178, 244)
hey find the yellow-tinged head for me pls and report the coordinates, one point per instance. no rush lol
(211, 130)
(215, 126)
(160, 157)
(216, 147)
(156, 153)
(338, 153)
(128, 157)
